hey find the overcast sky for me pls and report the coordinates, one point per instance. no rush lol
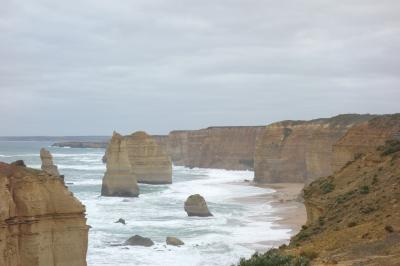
(94, 66)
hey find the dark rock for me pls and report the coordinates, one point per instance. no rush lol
(19, 163)
(137, 240)
(120, 220)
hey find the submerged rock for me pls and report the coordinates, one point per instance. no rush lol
(47, 162)
(119, 179)
(195, 205)
(173, 241)
(137, 240)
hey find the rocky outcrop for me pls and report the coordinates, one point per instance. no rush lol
(81, 144)
(41, 222)
(300, 151)
(230, 148)
(195, 205)
(353, 215)
(119, 179)
(148, 160)
(137, 240)
(173, 241)
(47, 162)
(364, 138)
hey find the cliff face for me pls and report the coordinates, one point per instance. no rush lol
(229, 148)
(353, 215)
(299, 151)
(41, 222)
(119, 179)
(364, 138)
(148, 160)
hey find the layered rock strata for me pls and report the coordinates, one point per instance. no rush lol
(364, 138)
(119, 179)
(41, 222)
(230, 148)
(148, 159)
(353, 215)
(300, 151)
(47, 162)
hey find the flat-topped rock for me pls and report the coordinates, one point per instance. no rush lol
(195, 205)
(119, 179)
(148, 159)
(47, 162)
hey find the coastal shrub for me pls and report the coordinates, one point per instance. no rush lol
(391, 146)
(352, 224)
(327, 187)
(364, 189)
(375, 179)
(274, 258)
(309, 254)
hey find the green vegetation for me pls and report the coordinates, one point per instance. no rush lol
(364, 189)
(391, 146)
(327, 187)
(274, 258)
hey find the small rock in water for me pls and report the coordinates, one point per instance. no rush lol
(174, 241)
(137, 240)
(195, 205)
(120, 220)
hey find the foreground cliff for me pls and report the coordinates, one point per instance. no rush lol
(230, 148)
(41, 222)
(300, 151)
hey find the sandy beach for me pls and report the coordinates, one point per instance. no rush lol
(287, 207)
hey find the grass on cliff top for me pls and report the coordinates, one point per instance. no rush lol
(274, 258)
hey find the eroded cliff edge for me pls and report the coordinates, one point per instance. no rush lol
(353, 215)
(300, 151)
(41, 222)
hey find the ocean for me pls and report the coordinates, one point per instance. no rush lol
(158, 212)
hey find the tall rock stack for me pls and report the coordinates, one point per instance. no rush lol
(148, 159)
(119, 179)
(41, 222)
(300, 151)
(47, 162)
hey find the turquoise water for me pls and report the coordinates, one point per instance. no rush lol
(158, 212)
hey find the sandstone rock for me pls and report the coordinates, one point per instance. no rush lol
(47, 162)
(137, 240)
(229, 148)
(300, 151)
(195, 205)
(364, 138)
(173, 241)
(41, 222)
(119, 179)
(19, 163)
(149, 162)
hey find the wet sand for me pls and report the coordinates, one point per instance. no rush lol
(286, 204)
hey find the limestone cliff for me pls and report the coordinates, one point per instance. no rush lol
(364, 138)
(299, 151)
(353, 215)
(148, 159)
(41, 222)
(119, 179)
(229, 148)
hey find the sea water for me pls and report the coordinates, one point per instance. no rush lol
(158, 212)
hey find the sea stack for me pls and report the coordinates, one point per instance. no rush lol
(119, 179)
(47, 162)
(41, 222)
(195, 205)
(148, 159)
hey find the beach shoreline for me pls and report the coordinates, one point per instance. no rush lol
(286, 204)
